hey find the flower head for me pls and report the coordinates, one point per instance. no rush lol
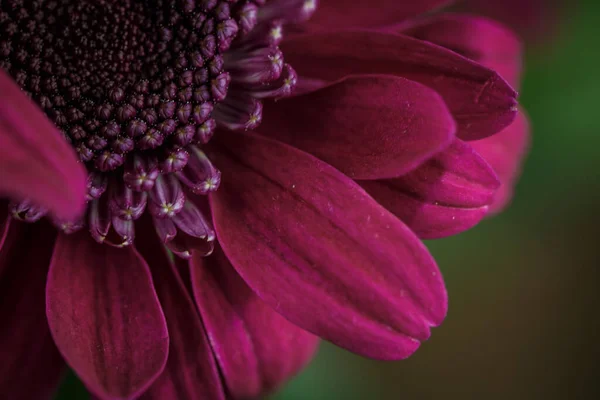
(151, 130)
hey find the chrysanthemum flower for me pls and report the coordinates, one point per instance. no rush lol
(159, 261)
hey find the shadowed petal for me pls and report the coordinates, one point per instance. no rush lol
(36, 162)
(31, 366)
(315, 247)
(480, 39)
(368, 127)
(447, 195)
(480, 100)
(105, 317)
(269, 349)
(505, 152)
(191, 371)
(334, 14)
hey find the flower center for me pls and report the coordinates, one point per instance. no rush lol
(120, 76)
(137, 87)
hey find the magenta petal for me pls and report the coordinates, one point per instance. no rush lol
(368, 127)
(480, 39)
(428, 220)
(334, 14)
(191, 371)
(268, 349)
(457, 176)
(36, 162)
(505, 152)
(480, 100)
(31, 366)
(535, 20)
(320, 251)
(105, 316)
(447, 195)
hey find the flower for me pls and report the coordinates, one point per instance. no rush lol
(383, 116)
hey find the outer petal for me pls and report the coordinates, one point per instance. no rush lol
(36, 162)
(191, 371)
(334, 14)
(480, 39)
(535, 20)
(480, 100)
(447, 195)
(368, 127)
(31, 366)
(105, 317)
(268, 349)
(319, 250)
(505, 152)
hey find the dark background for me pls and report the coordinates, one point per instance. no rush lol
(523, 320)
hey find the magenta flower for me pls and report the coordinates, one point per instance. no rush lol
(399, 129)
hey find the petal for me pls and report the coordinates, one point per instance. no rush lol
(445, 196)
(105, 316)
(36, 162)
(368, 127)
(320, 251)
(335, 14)
(480, 39)
(269, 349)
(505, 152)
(191, 371)
(31, 366)
(535, 20)
(480, 100)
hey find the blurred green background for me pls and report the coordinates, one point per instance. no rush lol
(523, 320)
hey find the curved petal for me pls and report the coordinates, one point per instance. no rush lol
(269, 349)
(445, 196)
(368, 127)
(480, 39)
(191, 371)
(36, 162)
(505, 152)
(105, 316)
(320, 251)
(336, 14)
(480, 100)
(31, 366)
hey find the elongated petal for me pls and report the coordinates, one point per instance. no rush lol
(31, 366)
(268, 348)
(505, 152)
(315, 247)
(191, 371)
(368, 127)
(105, 316)
(480, 100)
(480, 39)
(445, 196)
(340, 14)
(36, 162)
